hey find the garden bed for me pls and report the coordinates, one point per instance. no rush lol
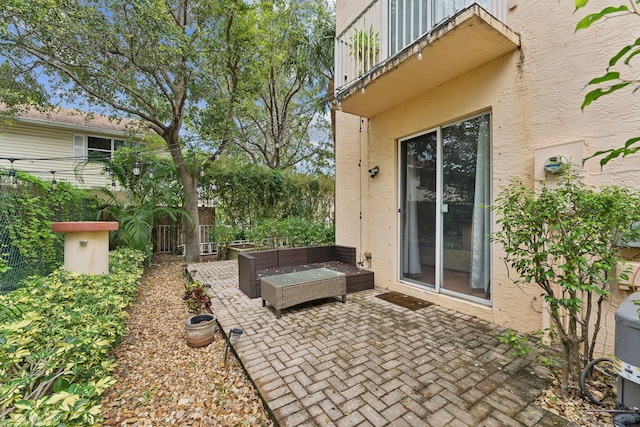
(161, 380)
(234, 250)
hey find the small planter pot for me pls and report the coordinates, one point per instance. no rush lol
(200, 330)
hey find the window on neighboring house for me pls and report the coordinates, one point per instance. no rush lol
(104, 147)
(94, 146)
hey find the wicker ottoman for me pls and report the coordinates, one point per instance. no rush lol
(286, 290)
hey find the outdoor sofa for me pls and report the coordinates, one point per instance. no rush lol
(252, 266)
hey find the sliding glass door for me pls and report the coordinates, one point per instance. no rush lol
(445, 187)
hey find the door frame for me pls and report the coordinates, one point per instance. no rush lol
(437, 286)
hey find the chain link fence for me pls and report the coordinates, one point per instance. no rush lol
(28, 246)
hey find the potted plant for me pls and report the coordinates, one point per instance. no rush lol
(365, 48)
(200, 327)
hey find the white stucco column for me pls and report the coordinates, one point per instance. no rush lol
(86, 245)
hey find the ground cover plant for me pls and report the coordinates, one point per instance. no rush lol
(55, 336)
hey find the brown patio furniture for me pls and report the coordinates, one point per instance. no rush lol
(289, 289)
(252, 266)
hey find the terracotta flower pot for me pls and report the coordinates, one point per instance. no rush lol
(200, 330)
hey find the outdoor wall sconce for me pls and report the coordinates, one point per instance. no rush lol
(234, 334)
(83, 243)
(374, 171)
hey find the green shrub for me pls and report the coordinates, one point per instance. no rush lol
(224, 235)
(55, 337)
(565, 239)
(293, 232)
(247, 194)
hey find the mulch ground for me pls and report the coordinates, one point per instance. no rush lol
(162, 381)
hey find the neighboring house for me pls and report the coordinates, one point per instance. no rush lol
(58, 140)
(442, 103)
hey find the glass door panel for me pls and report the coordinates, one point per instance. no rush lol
(445, 189)
(465, 220)
(418, 210)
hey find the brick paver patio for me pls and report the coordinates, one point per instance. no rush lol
(372, 363)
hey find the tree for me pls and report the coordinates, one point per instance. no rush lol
(158, 61)
(619, 73)
(566, 241)
(289, 106)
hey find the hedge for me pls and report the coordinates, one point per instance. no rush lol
(55, 336)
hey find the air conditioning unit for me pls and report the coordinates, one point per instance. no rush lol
(627, 353)
(632, 270)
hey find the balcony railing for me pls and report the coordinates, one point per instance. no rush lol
(386, 27)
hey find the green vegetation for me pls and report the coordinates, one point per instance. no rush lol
(565, 240)
(192, 73)
(55, 336)
(28, 245)
(619, 73)
(141, 199)
(293, 232)
(523, 345)
(246, 194)
(365, 47)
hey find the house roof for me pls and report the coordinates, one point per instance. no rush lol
(79, 119)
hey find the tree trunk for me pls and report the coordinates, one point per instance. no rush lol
(192, 243)
(189, 182)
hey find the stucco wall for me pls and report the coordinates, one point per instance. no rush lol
(534, 95)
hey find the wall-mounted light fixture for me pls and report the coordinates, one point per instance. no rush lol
(374, 171)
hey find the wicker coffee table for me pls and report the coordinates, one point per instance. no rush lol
(286, 290)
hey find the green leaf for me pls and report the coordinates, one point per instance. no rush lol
(581, 3)
(60, 384)
(634, 53)
(623, 52)
(612, 75)
(597, 93)
(594, 17)
(619, 55)
(631, 141)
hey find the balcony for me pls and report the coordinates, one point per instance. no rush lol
(396, 49)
